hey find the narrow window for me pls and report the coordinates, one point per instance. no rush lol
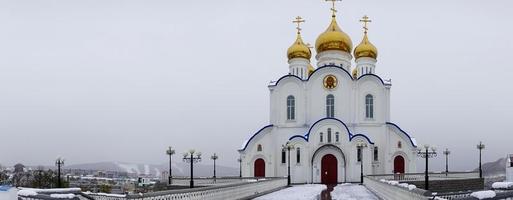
(359, 154)
(329, 135)
(291, 108)
(330, 106)
(259, 147)
(375, 153)
(301, 72)
(298, 155)
(337, 137)
(369, 106)
(320, 137)
(399, 145)
(283, 159)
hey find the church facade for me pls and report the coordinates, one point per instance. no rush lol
(331, 120)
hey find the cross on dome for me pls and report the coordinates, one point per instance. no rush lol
(333, 10)
(365, 20)
(298, 21)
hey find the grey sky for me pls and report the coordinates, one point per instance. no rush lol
(120, 80)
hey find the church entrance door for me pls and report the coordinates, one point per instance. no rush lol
(259, 168)
(329, 169)
(398, 164)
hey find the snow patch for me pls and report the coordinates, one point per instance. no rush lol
(502, 185)
(62, 196)
(27, 193)
(483, 194)
(352, 192)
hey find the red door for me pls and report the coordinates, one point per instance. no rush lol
(329, 169)
(259, 168)
(398, 164)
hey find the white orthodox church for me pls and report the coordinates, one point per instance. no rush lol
(331, 119)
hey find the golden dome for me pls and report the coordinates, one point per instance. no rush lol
(333, 39)
(299, 49)
(365, 49)
(311, 69)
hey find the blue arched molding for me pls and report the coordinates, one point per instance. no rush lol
(372, 75)
(306, 137)
(404, 132)
(326, 66)
(254, 135)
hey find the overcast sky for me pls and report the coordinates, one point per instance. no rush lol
(120, 80)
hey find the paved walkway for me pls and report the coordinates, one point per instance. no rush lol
(352, 192)
(327, 192)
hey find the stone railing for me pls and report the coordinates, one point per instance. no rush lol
(241, 190)
(432, 176)
(206, 181)
(394, 192)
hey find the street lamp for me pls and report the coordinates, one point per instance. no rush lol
(361, 146)
(189, 157)
(426, 153)
(170, 151)
(288, 146)
(214, 157)
(240, 167)
(446, 153)
(59, 163)
(480, 146)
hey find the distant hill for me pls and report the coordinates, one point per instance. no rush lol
(179, 168)
(496, 168)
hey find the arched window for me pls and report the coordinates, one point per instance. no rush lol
(359, 154)
(369, 106)
(298, 155)
(337, 137)
(329, 134)
(291, 107)
(320, 136)
(259, 147)
(283, 159)
(330, 106)
(399, 145)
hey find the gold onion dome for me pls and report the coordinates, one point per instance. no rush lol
(311, 69)
(299, 49)
(365, 49)
(333, 39)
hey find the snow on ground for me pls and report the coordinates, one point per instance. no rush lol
(483, 194)
(299, 192)
(9, 194)
(352, 192)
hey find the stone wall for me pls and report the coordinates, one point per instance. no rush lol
(451, 185)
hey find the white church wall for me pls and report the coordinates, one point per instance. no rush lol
(370, 85)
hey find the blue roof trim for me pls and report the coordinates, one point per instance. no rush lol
(382, 82)
(327, 66)
(251, 138)
(404, 132)
(286, 76)
(306, 137)
(362, 135)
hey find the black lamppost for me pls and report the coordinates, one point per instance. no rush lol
(426, 153)
(446, 153)
(361, 146)
(240, 167)
(214, 157)
(59, 163)
(480, 146)
(170, 151)
(288, 146)
(189, 157)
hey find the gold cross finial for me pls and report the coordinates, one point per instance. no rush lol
(298, 21)
(365, 20)
(333, 10)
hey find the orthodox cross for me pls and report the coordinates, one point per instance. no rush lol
(298, 21)
(333, 10)
(365, 20)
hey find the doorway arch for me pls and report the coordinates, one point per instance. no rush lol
(259, 168)
(317, 163)
(399, 164)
